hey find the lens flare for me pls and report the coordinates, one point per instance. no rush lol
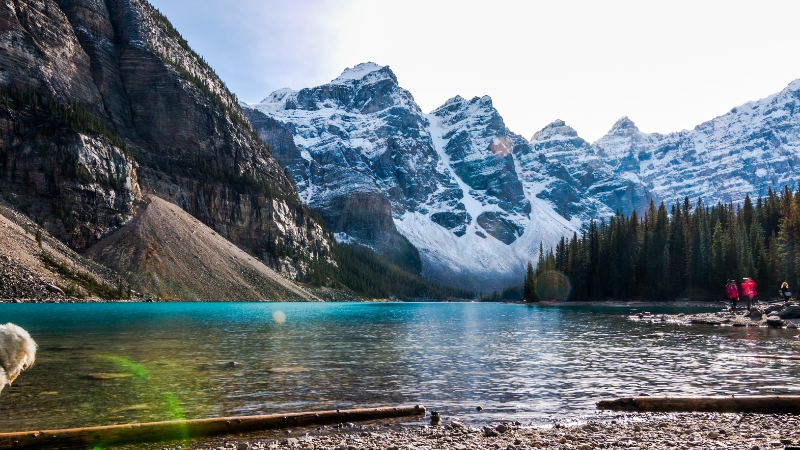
(279, 317)
(175, 410)
(174, 407)
(127, 365)
(553, 286)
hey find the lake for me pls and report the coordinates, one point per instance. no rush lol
(130, 362)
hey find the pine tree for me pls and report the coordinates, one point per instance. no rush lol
(528, 289)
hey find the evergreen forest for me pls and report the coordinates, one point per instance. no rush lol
(686, 251)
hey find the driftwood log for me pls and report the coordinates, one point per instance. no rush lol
(771, 404)
(90, 437)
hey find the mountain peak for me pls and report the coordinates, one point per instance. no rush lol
(623, 125)
(555, 129)
(485, 100)
(358, 72)
(279, 95)
(454, 100)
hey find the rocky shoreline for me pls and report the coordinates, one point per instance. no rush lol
(629, 431)
(777, 315)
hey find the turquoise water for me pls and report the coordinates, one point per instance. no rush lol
(118, 363)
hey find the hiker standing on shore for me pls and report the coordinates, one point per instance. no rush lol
(786, 294)
(749, 290)
(733, 293)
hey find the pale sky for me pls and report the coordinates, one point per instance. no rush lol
(668, 65)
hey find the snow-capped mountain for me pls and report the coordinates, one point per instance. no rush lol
(476, 199)
(381, 172)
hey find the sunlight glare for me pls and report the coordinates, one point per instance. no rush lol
(553, 285)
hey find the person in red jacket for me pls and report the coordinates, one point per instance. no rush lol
(749, 290)
(733, 292)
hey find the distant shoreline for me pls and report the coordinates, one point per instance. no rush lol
(626, 303)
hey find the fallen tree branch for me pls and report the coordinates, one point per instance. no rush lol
(187, 429)
(771, 404)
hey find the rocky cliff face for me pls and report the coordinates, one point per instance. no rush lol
(581, 185)
(160, 122)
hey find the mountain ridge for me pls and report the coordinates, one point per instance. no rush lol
(384, 149)
(458, 172)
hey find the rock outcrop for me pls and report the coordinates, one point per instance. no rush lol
(142, 114)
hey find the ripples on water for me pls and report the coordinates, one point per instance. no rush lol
(118, 363)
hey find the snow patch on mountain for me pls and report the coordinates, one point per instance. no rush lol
(473, 206)
(358, 72)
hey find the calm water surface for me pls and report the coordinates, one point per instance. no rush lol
(117, 363)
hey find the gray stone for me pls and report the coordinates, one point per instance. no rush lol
(792, 312)
(490, 432)
(774, 321)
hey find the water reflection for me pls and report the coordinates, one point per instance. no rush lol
(103, 364)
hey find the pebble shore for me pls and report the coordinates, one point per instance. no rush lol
(777, 315)
(629, 431)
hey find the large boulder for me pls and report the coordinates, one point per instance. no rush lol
(791, 312)
(774, 321)
(773, 308)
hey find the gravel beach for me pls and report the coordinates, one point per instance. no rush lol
(629, 431)
(777, 315)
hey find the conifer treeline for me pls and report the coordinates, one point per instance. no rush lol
(689, 251)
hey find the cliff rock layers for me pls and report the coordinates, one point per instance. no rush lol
(102, 102)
